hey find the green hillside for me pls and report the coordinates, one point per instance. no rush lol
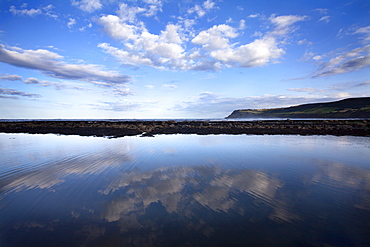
(347, 108)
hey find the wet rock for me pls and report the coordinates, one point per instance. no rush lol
(127, 128)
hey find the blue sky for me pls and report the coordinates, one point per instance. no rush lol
(178, 59)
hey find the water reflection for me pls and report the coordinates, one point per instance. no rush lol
(185, 191)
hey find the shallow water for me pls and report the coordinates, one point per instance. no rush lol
(184, 190)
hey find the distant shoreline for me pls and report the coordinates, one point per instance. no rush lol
(151, 128)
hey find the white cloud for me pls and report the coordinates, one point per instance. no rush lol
(242, 24)
(87, 5)
(23, 11)
(171, 34)
(303, 90)
(51, 64)
(125, 57)
(217, 37)
(117, 29)
(230, 20)
(284, 23)
(122, 91)
(31, 80)
(208, 4)
(257, 53)
(153, 7)
(253, 15)
(142, 47)
(348, 66)
(365, 31)
(71, 22)
(169, 86)
(29, 12)
(127, 13)
(197, 9)
(321, 10)
(202, 10)
(116, 106)
(325, 19)
(304, 42)
(347, 61)
(210, 49)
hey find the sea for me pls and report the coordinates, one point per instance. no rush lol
(184, 190)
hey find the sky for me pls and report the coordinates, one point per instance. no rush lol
(140, 59)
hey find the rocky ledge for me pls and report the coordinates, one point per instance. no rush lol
(151, 128)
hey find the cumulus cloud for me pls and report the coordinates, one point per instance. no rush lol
(52, 64)
(87, 5)
(257, 53)
(142, 47)
(178, 48)
(116, 28)
(217, 37)
(12, 93)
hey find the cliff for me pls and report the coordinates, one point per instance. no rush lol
(347, 108)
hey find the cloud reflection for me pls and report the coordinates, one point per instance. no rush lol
(348, 179)
(50, 174)
(211, 187)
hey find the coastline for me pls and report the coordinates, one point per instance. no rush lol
(151, 128)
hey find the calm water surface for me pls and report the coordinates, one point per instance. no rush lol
(184, 190)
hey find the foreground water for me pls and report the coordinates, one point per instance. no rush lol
(184, 190)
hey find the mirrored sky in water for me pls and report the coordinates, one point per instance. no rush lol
(181, 190)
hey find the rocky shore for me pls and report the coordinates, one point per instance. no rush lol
(151, 128)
